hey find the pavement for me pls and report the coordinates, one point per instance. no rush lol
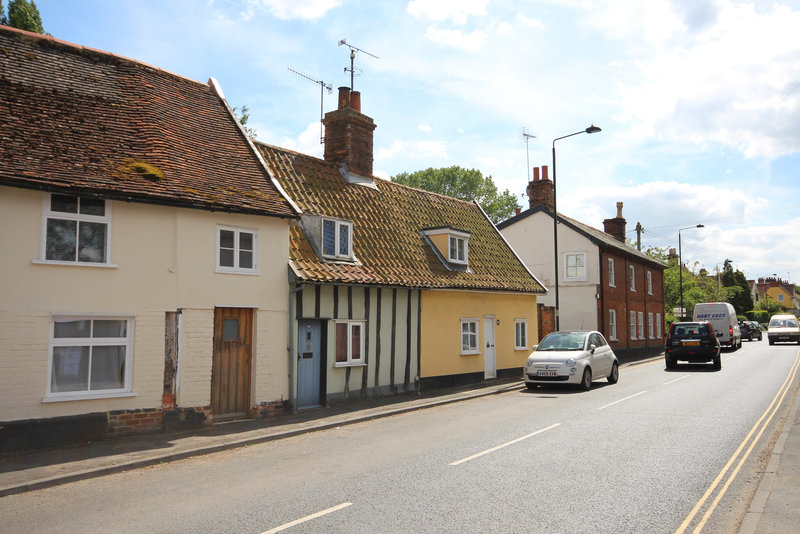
(774, 509)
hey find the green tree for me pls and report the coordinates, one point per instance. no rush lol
(464, 184)
(24, 15)
(243, 115)
(738, 290)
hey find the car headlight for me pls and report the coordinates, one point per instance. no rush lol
(571, 362)
(529, 362)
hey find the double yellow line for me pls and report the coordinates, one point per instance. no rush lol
(752, 438)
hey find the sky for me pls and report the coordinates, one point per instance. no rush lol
(698, 101)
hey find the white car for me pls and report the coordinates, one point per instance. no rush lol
(571, 358)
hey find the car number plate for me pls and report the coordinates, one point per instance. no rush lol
(691, 343)
(546, 373)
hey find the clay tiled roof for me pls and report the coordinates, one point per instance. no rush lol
(89, 122)
(387, 239)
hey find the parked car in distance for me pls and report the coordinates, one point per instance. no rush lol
(571, 358)
(783, 327)
(751, 330)
(722, 316)
(694, 341)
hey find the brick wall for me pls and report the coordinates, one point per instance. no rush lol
(546, 320)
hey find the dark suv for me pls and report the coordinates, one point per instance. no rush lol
(751, 330)
(692, 342)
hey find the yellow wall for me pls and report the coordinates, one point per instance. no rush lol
(442, 312)
(773, 293)
(442, 243)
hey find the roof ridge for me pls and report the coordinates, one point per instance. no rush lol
(81, 48)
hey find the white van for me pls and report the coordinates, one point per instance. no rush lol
(722, 316)
(783, 328)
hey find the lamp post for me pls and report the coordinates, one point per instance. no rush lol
(590, 130)
(680, 262)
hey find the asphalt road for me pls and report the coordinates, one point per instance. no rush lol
(658, 452)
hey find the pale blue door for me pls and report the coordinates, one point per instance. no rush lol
(308, 364)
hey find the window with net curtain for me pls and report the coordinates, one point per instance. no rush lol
(89, 355)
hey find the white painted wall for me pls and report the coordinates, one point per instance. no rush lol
(165, 260)
(532, 239)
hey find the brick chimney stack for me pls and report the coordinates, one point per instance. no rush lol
(540, 190)
(616, 226)
(348, 135)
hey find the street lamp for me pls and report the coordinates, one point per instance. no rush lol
(680, 262)
(590, 130)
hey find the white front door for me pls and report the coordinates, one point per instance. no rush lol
(489, 354)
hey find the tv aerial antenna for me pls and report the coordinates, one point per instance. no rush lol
(527, 137)
(353, 50)
(322, 88)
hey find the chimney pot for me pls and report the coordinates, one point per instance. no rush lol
(544, 172)
(619, 210)
(355, 100)
(535, 173)
(344, 97)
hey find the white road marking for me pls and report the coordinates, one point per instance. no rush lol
(673, 381)
(307, 518)
(621, 400)
(487, 451)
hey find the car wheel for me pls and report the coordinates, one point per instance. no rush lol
(771, 342)
(586, 381)
(718, 363)
(613, 378)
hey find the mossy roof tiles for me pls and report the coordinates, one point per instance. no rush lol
(90, 122)
(387, 239)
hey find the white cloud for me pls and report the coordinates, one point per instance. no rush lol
(290, 9)
(440, 10)
(456, 38)
(424, 127)
(412, 150)
(529, 21)
(307, 142)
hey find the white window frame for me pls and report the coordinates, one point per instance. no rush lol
(350, 362)
(126, 342)
(578, 277)
(337, 230)
(48, 213)
(235, 268)
(521, 334)
(658, 326)
(649, 282)
(464, 250)
(780, 297)
(633, 325)
(650, 325)
(611, 273)
(469, 348)
(640, 332)
(632, 271)
(612, 325)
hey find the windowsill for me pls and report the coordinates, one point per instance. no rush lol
(470, 353)
(521, 348)
(342, 364)
(76, 264)
(232, 271)
(88, 396)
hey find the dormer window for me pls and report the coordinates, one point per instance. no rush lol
(458, 249)
(450, 244)
(337, 239)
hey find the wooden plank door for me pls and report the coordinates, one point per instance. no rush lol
(230, 374)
